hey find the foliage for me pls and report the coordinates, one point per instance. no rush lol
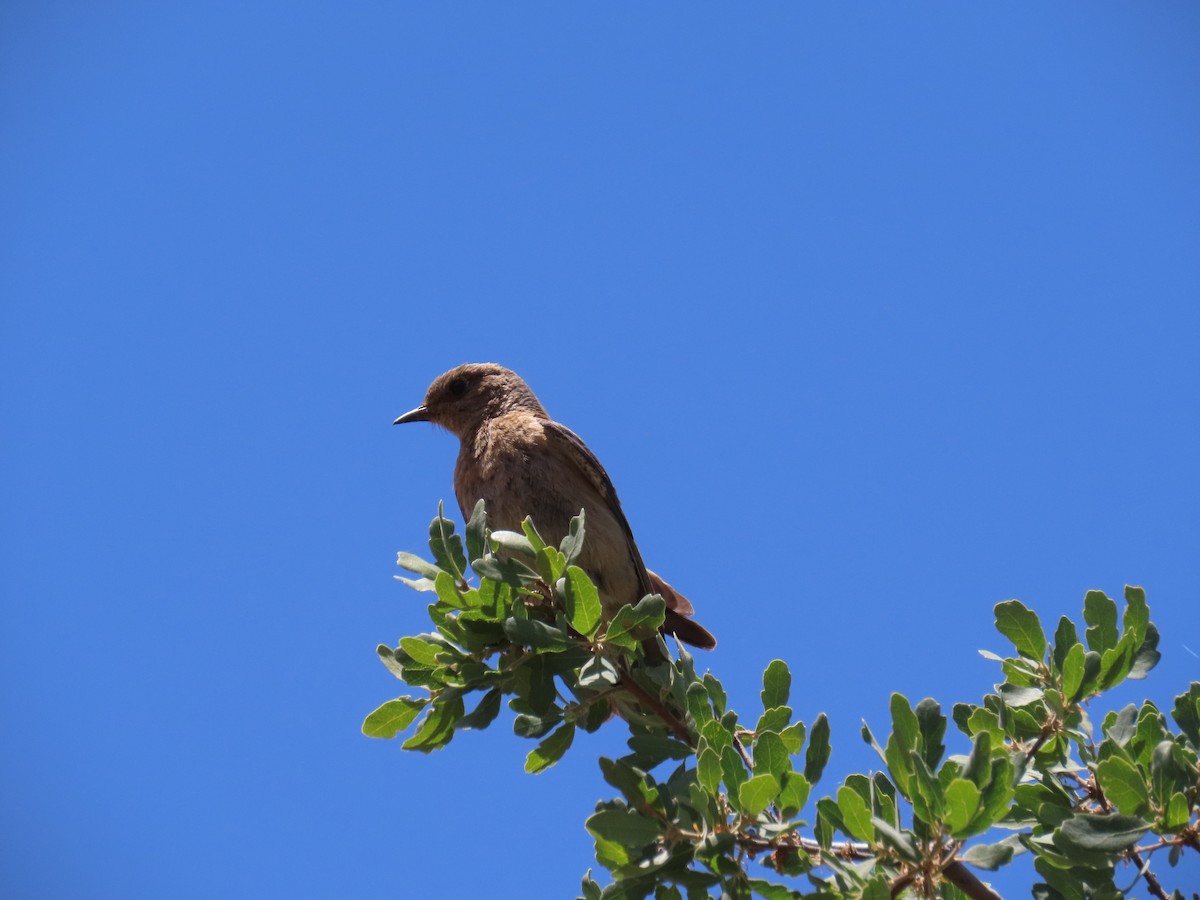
(702, 795)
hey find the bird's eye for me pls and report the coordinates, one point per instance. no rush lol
(458, 387)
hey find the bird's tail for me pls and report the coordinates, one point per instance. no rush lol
(678, 611)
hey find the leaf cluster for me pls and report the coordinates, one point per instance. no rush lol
(706, 802)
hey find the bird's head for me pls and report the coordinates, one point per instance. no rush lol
(465, 397)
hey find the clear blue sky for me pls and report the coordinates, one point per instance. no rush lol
(876, 314)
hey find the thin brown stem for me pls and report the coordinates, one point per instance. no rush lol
(964, 879)
(743, 752)
(898, 884)
(845, 850)
(1152, 882)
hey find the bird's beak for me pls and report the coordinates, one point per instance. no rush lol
(420, 414)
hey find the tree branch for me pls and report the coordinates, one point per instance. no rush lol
(1152, 882)
(964, 879)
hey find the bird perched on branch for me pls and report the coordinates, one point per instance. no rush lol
(523, 463)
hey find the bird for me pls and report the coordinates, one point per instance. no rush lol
(521, 462)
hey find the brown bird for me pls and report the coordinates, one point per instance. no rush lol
(523, 463)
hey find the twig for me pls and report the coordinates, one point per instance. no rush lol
(1151, 880)
(743, 752)
(897, 886)
(845, 850)
(964, 879)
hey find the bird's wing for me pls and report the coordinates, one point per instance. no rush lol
(678, 607)
(585, 461)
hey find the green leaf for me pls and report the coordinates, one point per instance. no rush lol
(652, 749)
(476, 531)
(794, 793)
(771, 755)
(699, 704)
(612, 856)
(447, 547)
(632, 624)
(591, 890)
(531, 534)
(904, 723)
(404, 667)
(582, 602)
(392, 717)
(538, 635)
(900, 841)
(417, 584)
(447, 592)
(1116, 663)
(932, 725)
(716, 692)
(422, 651)
(1100, 612)
(1137, 614)
(1121, 726)
(550, 750)
(774, 719)
(512, 542)
(979, 762)
(1149, 732)
(883, 799)
(998, 794)
(718, 736)
(1147, 656)
(625, 778)
(1186, 713)
(1020, 696)
(1021, 626)
(793, 736)
(817, 754)
(777, 683)
(572, 544)
(530, 725)
(437, 728)
(482, 715)
(876, 889)
(1072, 673)
(855, 814)
(1177, 814)
(708, 770)
(598, 673)
(769, 890)
(962, 803)
(902, 741)
(733, 773)
(534, 687)
(551, 564)
(1123, 785)
(414, 563)
(510, 571)
(991, 856)
(1171, 771)
(624, 827)
(829, 818)
(1102, 834)
(1091, 674)
(928, 800)
(756, 794)
(1065, 637)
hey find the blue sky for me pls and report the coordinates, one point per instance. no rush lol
(877, 314)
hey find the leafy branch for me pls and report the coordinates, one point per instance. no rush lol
(705, 798)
